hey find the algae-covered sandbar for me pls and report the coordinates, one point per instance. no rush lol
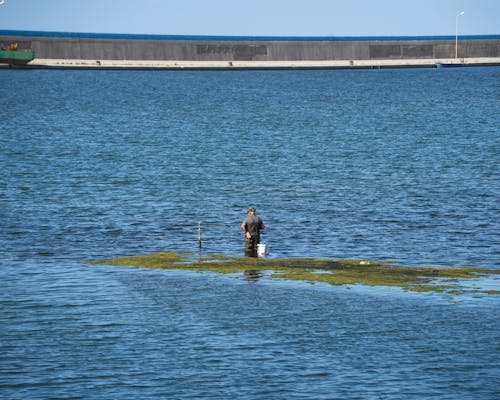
(332, 271)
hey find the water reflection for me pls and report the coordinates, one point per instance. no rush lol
(252, 275)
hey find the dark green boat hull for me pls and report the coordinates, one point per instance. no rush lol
(16, 56)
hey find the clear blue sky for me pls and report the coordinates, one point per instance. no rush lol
(254, 17)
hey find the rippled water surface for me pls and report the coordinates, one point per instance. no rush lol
(373, 164)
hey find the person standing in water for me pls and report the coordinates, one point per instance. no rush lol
(252, 225)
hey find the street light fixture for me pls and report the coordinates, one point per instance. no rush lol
(456, 33)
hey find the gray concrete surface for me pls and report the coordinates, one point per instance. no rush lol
(252, 51)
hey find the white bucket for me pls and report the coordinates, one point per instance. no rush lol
(262, 250)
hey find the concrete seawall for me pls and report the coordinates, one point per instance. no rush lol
(171, 54)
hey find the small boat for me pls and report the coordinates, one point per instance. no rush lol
(449, 65)
(13, 56)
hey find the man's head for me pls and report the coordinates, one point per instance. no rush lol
(251, 210)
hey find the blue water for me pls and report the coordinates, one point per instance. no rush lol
(373, 164)
(93, 35)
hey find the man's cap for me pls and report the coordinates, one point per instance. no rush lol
(251, 209)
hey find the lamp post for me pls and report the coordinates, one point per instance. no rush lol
(456, 33)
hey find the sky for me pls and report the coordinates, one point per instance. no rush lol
(255, 17)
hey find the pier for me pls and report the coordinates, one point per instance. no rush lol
(267, 53)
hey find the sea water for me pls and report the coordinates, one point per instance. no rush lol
(373, 164)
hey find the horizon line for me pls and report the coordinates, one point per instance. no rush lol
(139, 36)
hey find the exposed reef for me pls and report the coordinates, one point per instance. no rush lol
(333, 271)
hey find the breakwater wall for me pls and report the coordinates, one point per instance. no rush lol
(248, 51)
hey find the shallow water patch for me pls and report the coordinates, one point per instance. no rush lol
(331, 271)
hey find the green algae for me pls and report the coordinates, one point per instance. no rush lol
(330, 271)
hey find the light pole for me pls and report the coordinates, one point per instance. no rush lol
(456, 33)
